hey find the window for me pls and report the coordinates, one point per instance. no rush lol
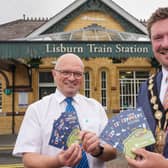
(46, 84)
(104, 88)
(87, 84)
(130, 82)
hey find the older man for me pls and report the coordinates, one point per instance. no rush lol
(35, 132)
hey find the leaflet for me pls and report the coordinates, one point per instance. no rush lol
(128, 130)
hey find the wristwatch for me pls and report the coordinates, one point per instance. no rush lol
(101, 148)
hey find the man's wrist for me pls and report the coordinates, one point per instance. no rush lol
(100, 152)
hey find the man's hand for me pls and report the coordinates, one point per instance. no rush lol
(90, 142)
(71, 156)
(148, 160)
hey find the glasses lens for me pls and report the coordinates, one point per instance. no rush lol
(77, 74)
(65, 73)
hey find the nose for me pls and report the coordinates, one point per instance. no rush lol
(165, 41)
(71, 76)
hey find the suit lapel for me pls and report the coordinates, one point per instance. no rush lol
(158, 81)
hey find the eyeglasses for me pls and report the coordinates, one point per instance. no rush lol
(66, 73)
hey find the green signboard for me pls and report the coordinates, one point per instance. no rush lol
(39, 49)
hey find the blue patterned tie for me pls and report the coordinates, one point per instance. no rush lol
(84, 162)
(69, 107)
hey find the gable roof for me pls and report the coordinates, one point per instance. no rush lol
(19, 28)
(78, 3)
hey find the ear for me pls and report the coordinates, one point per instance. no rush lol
(53, 73)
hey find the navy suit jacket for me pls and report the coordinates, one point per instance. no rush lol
(144, 102)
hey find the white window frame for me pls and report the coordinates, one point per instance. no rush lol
(87, 87)
(103, 88)
(129, 88)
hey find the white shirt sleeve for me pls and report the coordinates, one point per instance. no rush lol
(28, 139)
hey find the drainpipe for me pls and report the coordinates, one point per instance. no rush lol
(13, 99)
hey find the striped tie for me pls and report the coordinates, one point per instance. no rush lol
(69, 107)
(84, 161)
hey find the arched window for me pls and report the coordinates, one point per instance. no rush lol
(87, 83)
(104, 88)
(46, 84)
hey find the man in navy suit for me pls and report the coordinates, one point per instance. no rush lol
(152, 96)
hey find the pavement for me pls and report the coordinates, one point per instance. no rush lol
(8, 161)
(6, 147)
(119, 162)
(7, 141)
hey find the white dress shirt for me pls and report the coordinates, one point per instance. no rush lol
(164, 84)
(37, 124)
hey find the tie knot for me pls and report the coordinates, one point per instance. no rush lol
(69, 107)
(69, 100)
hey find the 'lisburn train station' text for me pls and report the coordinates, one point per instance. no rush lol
(95, 48)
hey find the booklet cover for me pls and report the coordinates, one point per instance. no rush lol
(127, 130)
(65, 131)
(139, 138)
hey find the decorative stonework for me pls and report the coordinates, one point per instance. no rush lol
(92, 5)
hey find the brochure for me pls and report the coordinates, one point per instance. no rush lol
(128, 130)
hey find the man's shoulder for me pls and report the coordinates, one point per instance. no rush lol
(156, 76)
(44, 100)
(88, 99)
(150, 81)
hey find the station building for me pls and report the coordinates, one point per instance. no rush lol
(113, 45)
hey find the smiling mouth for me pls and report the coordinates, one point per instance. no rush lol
(163, 51)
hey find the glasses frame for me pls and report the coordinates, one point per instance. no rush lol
(67, 73)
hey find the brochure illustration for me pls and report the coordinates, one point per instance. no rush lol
(128, 130)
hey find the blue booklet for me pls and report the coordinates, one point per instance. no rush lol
(128, 130)
(65, 131)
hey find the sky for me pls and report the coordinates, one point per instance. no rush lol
(11, 10)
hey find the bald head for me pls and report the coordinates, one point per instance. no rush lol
(68, 74)
(70, 59)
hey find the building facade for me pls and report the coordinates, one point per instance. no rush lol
(113, 45)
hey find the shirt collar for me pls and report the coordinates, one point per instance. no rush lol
(165, 75)
(60, 97)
